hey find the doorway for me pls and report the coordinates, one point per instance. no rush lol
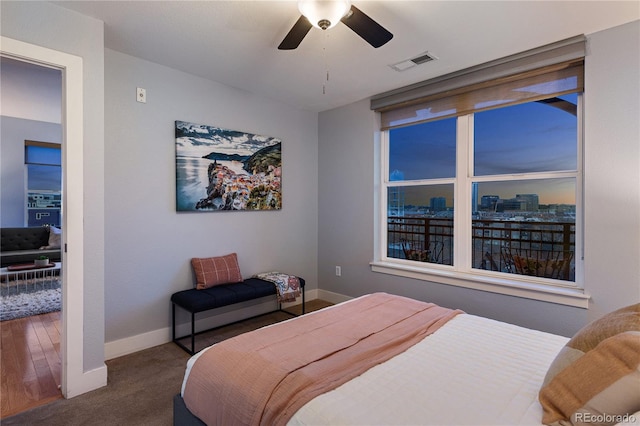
(75, 380)
(30, 197)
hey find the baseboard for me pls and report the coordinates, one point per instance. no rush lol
(90, 380)
(136, 343)
(218, 317)
(308, 295)
(332, 297)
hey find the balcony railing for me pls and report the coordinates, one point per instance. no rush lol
(543, 249)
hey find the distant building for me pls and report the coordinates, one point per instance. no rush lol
(531, 201)
(522, 202)
(514, 204)
(395, 202)
(438, 204)
(488, 202)
(474, 198)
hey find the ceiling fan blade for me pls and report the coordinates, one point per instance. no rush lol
(296, 34)
(372, 32)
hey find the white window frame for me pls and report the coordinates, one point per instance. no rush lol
(461, 274)
(27, 190)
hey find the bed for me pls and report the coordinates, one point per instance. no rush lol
(386, 360)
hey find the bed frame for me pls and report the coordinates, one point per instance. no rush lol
(181, 414)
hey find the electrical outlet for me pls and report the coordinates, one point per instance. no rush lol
(338, 271)
(141, 95)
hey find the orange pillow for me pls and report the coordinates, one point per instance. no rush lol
(211, 271)
(596, 377)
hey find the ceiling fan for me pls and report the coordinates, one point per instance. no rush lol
(325, 14)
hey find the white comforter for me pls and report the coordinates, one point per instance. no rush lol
(472, 371)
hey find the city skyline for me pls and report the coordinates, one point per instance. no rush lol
(562, 191)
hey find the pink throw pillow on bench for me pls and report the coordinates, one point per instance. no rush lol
(211, 271)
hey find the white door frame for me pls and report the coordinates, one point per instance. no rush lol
(75, 380)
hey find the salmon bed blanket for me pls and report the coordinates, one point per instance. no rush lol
(265, 376)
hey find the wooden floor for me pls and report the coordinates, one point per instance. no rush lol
(29, 362)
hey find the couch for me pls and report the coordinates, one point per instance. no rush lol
(23, 245)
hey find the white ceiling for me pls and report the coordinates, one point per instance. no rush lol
(235, 42)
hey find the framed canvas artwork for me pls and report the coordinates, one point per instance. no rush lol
(219, 169)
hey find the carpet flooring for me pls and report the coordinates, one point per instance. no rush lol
(140, 388)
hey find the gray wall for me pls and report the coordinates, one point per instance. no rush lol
(53, 27)
(13, 133)
(347, 139)
(148, 245)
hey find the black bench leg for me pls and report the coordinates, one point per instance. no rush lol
(193, 333)
(173, 332)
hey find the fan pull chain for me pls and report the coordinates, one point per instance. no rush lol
(326, 63)
(324, 92)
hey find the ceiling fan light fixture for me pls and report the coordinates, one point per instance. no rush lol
(324, 14)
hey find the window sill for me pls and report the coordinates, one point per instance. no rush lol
(512, 287)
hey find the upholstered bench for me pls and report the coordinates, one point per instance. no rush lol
(196, 301)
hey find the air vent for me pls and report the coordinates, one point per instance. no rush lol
(426, 57)
(423, 58)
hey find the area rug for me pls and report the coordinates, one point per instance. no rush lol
(29, 300)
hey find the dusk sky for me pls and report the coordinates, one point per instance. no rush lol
(546, 140)
(44, 172)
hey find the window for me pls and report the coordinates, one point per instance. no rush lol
(420, 191)
(481, 182)
(44, 183)
(524, 183)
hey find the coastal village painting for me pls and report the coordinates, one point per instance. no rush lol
(219, 169)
